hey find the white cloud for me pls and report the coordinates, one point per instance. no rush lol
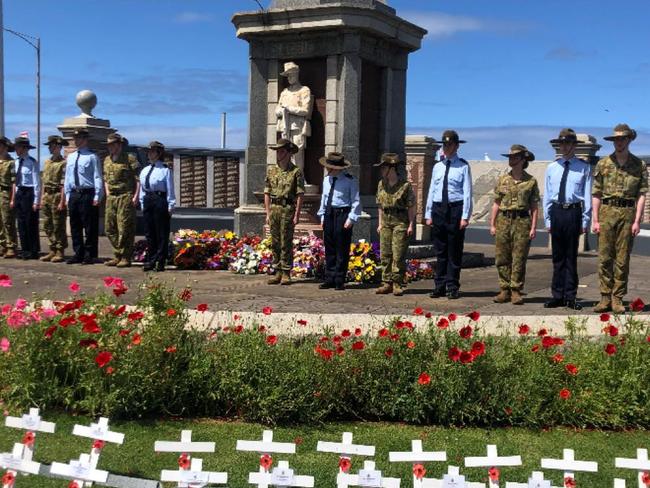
(440, 24)
(192, 17)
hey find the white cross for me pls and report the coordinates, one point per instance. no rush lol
(640, 464)
(79, 471)
(185, 445)
(368, 477)
(97, 431)
(569, 465)
(15, 461)
(194, 477)
(417, 455)
(535, 481)
(345, 448)
(282, 475)
(492, 460)
(453, 479)
(266, 446)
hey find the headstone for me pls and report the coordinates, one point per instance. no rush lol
(369, 477)
(190, 470)
(492, 461)
(416, 456)
(282, 476)
(640, 464)
(345, 449)
(100, 433)
(569, 466)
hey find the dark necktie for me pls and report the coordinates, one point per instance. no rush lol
(330, 195)
(565, 174)
(147, 185)
(77, 184)
(19, 174)
(445, 184)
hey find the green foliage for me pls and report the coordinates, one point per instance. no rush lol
(430, 376)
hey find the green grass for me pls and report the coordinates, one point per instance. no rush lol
(137, 458)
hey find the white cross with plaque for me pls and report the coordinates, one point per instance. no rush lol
(281, 475)
(190, 471)
(535, 481)
(367, 477)
(569, 465)
(79, 470)
(265, 448)
(345, 449)
(453, 479)
(492, 460)
(417, 456)
(100, 433)
(640, 464)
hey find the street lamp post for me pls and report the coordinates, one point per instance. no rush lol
(35, 42)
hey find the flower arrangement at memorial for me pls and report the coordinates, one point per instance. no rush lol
(419, 270)
(251, 255)
(308, 257)
(364, 258)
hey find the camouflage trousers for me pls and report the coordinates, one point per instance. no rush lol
(512, 246)
(119, 224)
(614, 247)
(281, 224)
(393, 243)
(54, 221)
(8, 234)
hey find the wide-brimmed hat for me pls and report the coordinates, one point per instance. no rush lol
(7, 142)
(334, 160)
(81, 133)
(115, 137)
(389, 159)
(158, 146)
(23, 141)
(56, 140)
(566, 135)
(451, 136)
(520, 149)
(290, 67)
(621, 130)
(285, 143)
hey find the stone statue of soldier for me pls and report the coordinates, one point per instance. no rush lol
(294, 112)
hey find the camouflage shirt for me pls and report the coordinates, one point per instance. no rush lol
(7, 172)
(287, 183)
(122, 174)
(54, 173)
(628, 181)
(399, 196)
(511, 194)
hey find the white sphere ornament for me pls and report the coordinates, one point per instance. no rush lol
(86, 101)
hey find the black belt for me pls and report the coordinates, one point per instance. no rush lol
(514, 214)
(157, 193)
(83, 191)
(566, 206)
(459, 203)
(119, 193)
(282, 201)
(337, 210)
(619, 202)
(25, 188)
(394, 211)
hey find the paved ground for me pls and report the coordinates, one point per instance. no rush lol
(230, 293)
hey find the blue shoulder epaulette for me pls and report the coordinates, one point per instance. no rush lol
(462, 160)
(349, 175)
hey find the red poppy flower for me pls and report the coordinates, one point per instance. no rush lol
(89, 343)
(408, 325)
(454, 354)
(324, 353)
(558, 358)
(569, 482)
(418, 311)
(73, 484)
(478, 348)
(119, 310)
(336, 339)
(324, 339)
(399, 324)
(103, 358)
(610, 349)
(272, 340)
(524, 329)
(184, 461)
(171, 349)
(645, 478)
(91, 327)
(120, 290)
(357, 332)
(535, 348)
(302, 322)
(267, 310)
(548, 342)
(443, 323)
(542, 332)
(186, 295)
(452, 317)
(394, 337)
(266, 462)
(494, 473)
(28, 438)
(604, 317)
(428, 315)
(637, 305)
(572, 369)
(466, 332)
(388, 353)
(8, 478)
(124, 332)
(98, 444)
(346, 333)
(466, 357)
(136, 339)
(66, 321)
(345, 463)
(410, 344)
(238, 329)
(419, 471)
(384, 332)
(171, 312)
(565, 394)
(358, 346)
(424, 379)
(340, 350)
(475, 315)
(611, 330)
(135, 316)
(202, 307)
(49, 332)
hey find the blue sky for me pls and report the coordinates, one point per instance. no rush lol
(500, 72)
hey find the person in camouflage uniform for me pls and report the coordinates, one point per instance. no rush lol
(122, 187)
(396, 201)
(283, 194)
(620, 185)
(8, 234)
(513, 222)
(53, 200)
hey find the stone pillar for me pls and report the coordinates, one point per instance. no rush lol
(420, 157)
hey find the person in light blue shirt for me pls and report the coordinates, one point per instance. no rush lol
(340, 208)
(448, 210)
(26, 198)
(567, 212)
(83, 185)
(158, 200)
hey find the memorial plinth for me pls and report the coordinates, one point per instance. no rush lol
(353, 55)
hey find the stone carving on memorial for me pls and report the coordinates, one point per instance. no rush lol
(294, 112)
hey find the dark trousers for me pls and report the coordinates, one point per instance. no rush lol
(565, 234)
(337, 241)
(156, 228)
(449, 241)
(84, 221)
(27, 221)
